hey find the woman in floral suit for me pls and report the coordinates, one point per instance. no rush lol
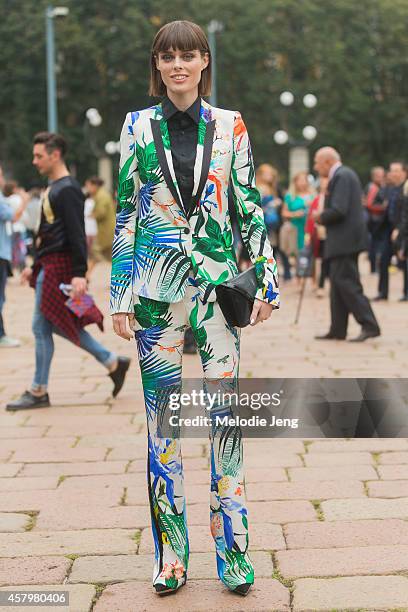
(172, 246)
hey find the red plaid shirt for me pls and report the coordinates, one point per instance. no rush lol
(58, 269)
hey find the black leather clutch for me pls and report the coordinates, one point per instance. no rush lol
(236, 297)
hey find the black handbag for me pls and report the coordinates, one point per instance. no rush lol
(236, 297)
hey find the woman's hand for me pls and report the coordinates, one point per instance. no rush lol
(26, 275)
(120, 321)
(260, 311)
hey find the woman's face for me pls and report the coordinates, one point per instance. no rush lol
(181, 70)
(268, 175)
(302, 184)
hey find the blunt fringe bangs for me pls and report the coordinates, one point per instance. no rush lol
(183, 36)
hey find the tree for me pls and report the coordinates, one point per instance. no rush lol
(353, 56)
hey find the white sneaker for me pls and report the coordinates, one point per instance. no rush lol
(7, 342)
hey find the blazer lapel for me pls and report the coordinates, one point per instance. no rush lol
(162, 144)
(206, 129)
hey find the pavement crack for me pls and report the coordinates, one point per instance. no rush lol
(108, 451)
(286, 582)
(316, 503)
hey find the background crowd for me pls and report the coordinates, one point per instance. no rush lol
(291, 226)
(289, 214)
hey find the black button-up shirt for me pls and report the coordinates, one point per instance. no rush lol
(183, 132)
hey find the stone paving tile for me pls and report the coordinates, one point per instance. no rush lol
(8, 470)
(337, 459)
(42, 444)
(348, 561)
(196, 596)
(274, 447)
(57, 500)
(80, 597)
(11, 419)
(340, 473)
(13, 522)
(195, 494)
(371, 593)
(281, 511)
(390, 489)
(305, 490)
(138, 451)
(378, 445)
(272, 474)
(72, 517)
(202, 566)
(76, 483)
(344, 509)
(340, 534)
(191, 478)
(281, 460)
(393, 472)
(28, 484)
(75, 410)
(39, 455)
(83, 424)
(86, 542)
(261, 537)
(113, 440)
(21, 432)
(33, 570)
(71, 469)
(392, 458)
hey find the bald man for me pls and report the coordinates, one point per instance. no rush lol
(346, 237)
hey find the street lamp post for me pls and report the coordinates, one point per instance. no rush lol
(298, 149)
(213, 27)
(93, 120)
(50, 13)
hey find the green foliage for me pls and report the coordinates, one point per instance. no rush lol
(353, 56)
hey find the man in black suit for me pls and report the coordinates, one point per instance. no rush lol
(346, 237)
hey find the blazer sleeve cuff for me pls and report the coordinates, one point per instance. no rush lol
(269, 294)
(124, 303)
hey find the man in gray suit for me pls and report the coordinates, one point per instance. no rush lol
(346, 237)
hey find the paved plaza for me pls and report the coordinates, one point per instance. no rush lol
(328, 518)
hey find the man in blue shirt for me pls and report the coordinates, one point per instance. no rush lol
(7, 217)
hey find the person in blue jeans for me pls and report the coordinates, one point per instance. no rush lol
(7, 217)
(43, 331)
(61, 258)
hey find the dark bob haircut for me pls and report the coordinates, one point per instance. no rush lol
(52, 142)
(183, 36)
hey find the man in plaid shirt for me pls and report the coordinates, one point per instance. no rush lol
(61, 257)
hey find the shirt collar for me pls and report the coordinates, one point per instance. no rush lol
(333, 169)
(193, 111)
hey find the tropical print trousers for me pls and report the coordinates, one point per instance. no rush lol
(159, 330)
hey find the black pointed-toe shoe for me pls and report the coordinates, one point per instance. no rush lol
(163, 589)
(328, 336)
(28, 400)
(365, 334)
(119, 375)
(243, 589)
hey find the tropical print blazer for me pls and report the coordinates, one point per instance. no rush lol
(156, 246)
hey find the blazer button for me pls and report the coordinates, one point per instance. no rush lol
(186, 230)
